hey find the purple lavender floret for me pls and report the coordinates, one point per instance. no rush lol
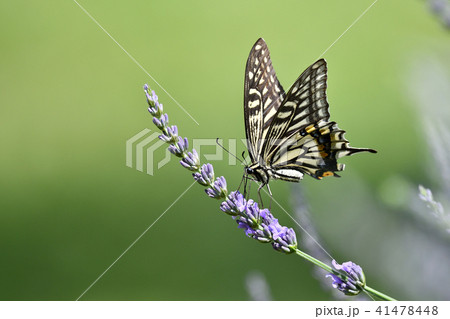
(284, 240)
(191, 161)
(218, 189)
(250, 232)
(161, 122)
(262, 226)
(235, 204)
(355, 278)
(252, 221)
(170, 134)
(249, 219)
(206, 175)
(180, 147)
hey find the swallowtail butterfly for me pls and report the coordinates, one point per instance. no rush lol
(289, 134)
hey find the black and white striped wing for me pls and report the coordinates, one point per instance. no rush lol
(305, 104)
(313, 150)
(300, 138)
(263, 95)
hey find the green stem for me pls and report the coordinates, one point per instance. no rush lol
(317, 262)
(378, 294)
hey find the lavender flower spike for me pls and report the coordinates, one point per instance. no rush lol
(218, 189)
(355, 282)
(206, 175)
(191, 161)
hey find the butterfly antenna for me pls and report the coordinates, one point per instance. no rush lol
(243, 156)
(217, 141)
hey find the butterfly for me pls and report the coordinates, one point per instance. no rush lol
(289, 134)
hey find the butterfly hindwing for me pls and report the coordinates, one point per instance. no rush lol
(263, 95)
(313, 150)
(305, 103)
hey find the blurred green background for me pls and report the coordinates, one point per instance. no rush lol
(70, 98)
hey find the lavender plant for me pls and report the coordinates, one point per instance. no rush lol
(257, 286)
(311, 242)
(257, 223)
(441, 8)
(437, 210)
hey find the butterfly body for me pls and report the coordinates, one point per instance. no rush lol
(289, 134)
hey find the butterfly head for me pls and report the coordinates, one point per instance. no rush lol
(258, 173)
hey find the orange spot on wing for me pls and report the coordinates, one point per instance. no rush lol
(309, 129)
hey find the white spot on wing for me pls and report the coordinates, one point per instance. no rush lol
(283, 115)
(253, 104)
(254, 91)
(268, 101)
(290, 173)
(304, 103)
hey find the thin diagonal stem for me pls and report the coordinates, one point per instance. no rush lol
(134, 242)
(133, 59)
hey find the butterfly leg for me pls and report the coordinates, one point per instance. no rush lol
(240, 184)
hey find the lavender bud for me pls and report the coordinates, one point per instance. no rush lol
(180, 147)
(248, 230)
(155, 108)
(206, 175)
(249, 219)
(234, 204)
(170, 134)
(161, 122)
(191, 161)
(284, 239)
(252, 213)
(355, 281)
(218, 189)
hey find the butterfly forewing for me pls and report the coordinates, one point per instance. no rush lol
(263, 95)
